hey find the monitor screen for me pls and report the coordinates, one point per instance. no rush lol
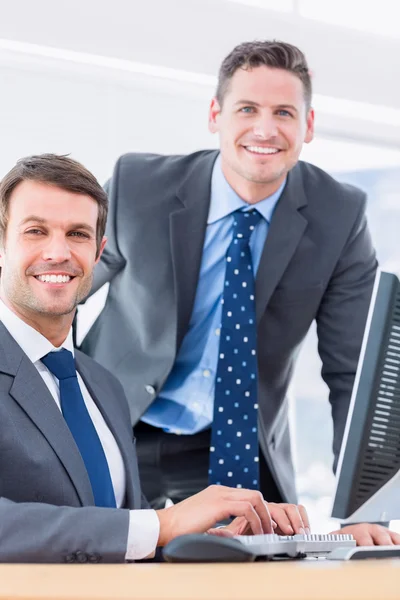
(368, 473)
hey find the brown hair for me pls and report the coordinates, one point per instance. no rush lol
(274, 54)
(61, 171)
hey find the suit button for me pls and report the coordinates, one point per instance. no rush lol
(70, 558)
(81, 557)
(94, 558)
(150, 389)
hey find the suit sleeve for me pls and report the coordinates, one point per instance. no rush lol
(341, 320)
(111, 261)
(43, 533)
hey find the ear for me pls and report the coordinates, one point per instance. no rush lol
(1, 256)
(102, 245)
(310, 126)
(213, 115)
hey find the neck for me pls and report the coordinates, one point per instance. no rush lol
(250, 192)
(55, 328)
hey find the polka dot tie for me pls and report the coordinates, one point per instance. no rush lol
(234, 439)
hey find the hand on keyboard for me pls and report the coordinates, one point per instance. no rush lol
(368, 534)
(288, 519)
(216, 503)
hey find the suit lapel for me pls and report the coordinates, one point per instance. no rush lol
(115, 422)
(187, 229)
(285, 232)
(31, 393)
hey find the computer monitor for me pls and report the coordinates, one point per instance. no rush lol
(368, 473)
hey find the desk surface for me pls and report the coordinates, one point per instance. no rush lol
(303, 580)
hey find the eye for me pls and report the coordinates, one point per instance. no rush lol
(34, 231)
(247, 110)
(79, 234)
(284, 113)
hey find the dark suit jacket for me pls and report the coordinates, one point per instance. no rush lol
(317, 263)
(43, 479)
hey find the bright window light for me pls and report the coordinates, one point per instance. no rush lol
(374, 113)
(327, 104)
(365, 15)
(341, 155)
(278, 5)
(106, 62)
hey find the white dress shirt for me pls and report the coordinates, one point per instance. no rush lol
(144, 525)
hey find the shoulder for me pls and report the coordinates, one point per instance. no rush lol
(148, 179)
(320, 186)
(136, 164)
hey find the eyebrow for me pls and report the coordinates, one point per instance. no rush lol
(41, 221)
(278, 106)
(251, 102)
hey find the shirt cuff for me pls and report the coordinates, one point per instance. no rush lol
(143, 534)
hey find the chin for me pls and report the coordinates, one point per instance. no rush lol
(264, 178)
(53, 309)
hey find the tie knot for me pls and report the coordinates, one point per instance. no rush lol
(61, 364)
(244, 223)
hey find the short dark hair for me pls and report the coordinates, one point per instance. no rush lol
(60, 171)
(274, 54)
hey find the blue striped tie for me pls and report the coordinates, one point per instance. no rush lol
(234, 439)
(76, 415)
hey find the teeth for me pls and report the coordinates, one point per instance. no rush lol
(260, 150)
(54, 278)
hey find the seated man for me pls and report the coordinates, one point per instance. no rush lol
(69, 484)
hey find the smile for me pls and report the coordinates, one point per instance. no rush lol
(261, 150)
(54, 278)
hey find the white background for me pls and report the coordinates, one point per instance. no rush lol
(99, 79)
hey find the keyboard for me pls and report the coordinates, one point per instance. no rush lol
(198, 547)
(295, 546)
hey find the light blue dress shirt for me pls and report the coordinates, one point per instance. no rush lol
(186, 402)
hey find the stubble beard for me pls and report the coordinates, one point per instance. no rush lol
(259, 178)
(20, 294)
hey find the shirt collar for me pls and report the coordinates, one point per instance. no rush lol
(224, 200)
(33, 343)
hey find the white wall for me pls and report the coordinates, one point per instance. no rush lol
(50, 110)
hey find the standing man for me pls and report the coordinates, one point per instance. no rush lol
(218, 263)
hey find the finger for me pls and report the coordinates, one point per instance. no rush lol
(238, 526)
(281, 519)
(256, 499)
(220, 532)
(294, 516)
(361, 534)
(305, 519)
(381, 536)
(263, 512)
(395, 538)
(240, 508)
(363, 537)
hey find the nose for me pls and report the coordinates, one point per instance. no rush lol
(57, 249)
(265, 127)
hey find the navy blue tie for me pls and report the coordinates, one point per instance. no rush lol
(76, 415)
(234, 459)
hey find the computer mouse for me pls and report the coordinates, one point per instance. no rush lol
(200, 547)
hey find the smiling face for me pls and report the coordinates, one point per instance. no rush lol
(262, 126)
(48, 251)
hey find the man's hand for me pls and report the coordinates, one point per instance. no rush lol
(287, 519)
(216, 503)
(367, 534)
